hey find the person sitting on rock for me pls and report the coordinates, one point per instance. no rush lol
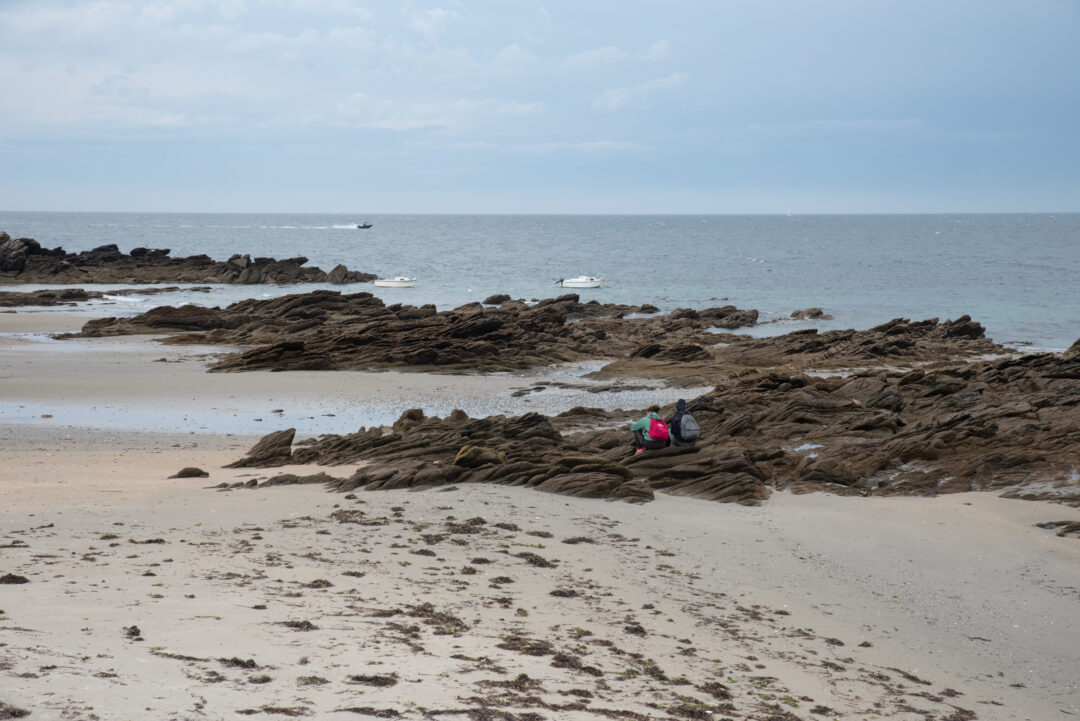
(650, 432)
(682, 426)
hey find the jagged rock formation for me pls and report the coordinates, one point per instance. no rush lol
(1006, 424)
(420, 451)
(898, 342)
(275, 449)
(23, 260)
(810, 314)
(327, 330)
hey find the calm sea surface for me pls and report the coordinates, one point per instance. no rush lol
(1016, 274)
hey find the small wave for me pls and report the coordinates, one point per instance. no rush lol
(1029, 348)
(126, 298)
(305, 227)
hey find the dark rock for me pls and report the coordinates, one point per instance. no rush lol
(475, 456)
(810, 314)
(274, 449)
(1065, 529)
(72, 296)
(7, 711)
(328, 330)
(190, 472)
(291, 479)
(23, 260)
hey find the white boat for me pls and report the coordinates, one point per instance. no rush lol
(582, 281)
(396, 282)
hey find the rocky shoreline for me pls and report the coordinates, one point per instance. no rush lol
(1008, 425)
(24, 260)
(74, 296)
(912, 408)
(905, 408)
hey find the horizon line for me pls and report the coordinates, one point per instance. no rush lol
(556, 214)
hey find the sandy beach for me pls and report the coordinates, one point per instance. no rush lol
(130, 595)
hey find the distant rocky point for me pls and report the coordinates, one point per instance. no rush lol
(74, 296)
(23, 260)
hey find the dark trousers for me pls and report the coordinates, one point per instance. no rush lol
(640, 442)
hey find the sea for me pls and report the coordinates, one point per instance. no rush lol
(1017, 274)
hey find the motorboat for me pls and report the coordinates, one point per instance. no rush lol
(582, 281)
(363, 226)
(396, 282)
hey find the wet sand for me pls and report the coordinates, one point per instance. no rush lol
(147, 597)
(135, 383)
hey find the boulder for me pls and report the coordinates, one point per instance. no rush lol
(190, 472)
(274, 449)
(475, 456)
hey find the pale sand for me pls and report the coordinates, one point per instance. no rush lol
(961, 591)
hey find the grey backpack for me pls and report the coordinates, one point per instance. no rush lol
(688, 427)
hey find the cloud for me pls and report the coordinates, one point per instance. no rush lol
(517, 107)
(431, 22)
(657, 51)
(256, 42)
(328, 7)
(513, 59)
(592, 58)
(637, 95)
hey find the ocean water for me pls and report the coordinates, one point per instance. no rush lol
(1017, 274)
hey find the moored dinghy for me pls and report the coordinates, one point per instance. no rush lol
(399, 281)
(582, 281)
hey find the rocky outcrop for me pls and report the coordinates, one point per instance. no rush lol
(898, 342)
(65, 296)
(23, 260)
(810, 314)
(1010, 425)
(326, 330)
(275, 449)
(422, 452)
(74, 296)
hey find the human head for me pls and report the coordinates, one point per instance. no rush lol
(654, 409)
(680, 405)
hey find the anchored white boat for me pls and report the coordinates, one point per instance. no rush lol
(582, 281)
(396, 282)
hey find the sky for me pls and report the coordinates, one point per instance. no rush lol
(560, 106)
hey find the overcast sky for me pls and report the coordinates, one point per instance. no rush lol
(560, 106)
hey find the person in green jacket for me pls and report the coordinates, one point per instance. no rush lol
(642, 440)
